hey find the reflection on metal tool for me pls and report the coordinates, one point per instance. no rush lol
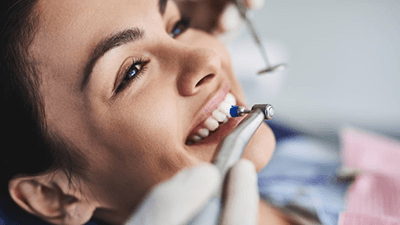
(243, 13)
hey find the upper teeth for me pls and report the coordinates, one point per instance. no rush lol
(219, 115)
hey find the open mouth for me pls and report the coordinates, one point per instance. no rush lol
(217, 119)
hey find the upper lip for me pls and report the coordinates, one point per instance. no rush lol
(209, 107)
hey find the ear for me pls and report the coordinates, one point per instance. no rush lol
(53, 198)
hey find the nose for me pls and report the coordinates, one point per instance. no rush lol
(200, 66)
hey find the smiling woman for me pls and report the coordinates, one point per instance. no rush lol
(83, 83)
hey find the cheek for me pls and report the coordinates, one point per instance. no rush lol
(261, 147)
(144, 132)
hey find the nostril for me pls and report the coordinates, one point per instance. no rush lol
(205, 79)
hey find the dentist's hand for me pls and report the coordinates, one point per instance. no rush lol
(215, 16)
(184, 198)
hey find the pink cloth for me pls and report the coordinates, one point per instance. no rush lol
(365, 219)
(374, 198)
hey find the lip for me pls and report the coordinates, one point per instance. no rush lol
(224, 129)
(216, 137)
(207, 110)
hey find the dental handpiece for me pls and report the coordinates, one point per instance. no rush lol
(232, 146)
(231, 150)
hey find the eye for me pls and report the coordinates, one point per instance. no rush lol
(135, 70)
(181, 26)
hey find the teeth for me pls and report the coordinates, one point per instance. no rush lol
(224, 108)
(196, 138)
(230, 99)
(204, 132)
(211, 124)
(220, 115)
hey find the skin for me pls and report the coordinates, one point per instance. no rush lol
(136, 138)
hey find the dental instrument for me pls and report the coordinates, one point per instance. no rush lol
(230, 150)
(236, 111)
(232, 147)
(243, 13)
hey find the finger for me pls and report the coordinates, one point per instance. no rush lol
(254, 4)
(241, 206)
(209, 214)
(229, 19)
(179, 199)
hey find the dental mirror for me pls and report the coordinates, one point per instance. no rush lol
(243, 13)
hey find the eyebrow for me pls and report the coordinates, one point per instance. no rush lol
(121, 38)
(111, 42)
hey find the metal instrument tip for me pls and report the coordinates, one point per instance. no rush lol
(270, 69)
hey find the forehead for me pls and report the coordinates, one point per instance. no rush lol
(69, 29)
(61, 12)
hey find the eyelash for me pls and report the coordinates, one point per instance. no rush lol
(132, 73)
(181, 26)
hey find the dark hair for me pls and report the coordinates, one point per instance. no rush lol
(28, 147)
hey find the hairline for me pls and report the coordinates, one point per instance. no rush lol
(57, 143)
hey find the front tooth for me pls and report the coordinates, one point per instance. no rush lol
(211, 124)
(225, 108)
(204, 132)
(219, 116)
(230, 99)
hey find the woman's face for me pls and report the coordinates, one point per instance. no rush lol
(128, 85)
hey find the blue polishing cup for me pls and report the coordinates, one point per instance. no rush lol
(234, 111)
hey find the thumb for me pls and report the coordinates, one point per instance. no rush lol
(242, 198)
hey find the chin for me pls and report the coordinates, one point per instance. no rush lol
(261, 147)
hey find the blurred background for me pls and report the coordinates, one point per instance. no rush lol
(344, 64)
